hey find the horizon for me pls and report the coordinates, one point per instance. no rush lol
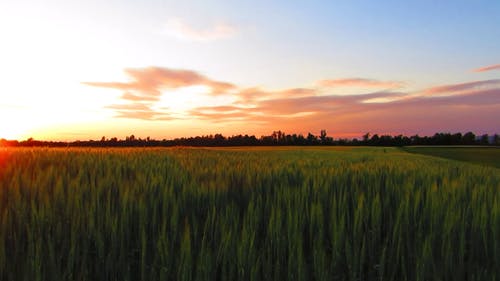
(334, 138)
(80, 70)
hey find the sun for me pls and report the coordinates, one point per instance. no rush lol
(16, 125)
(12, 131)
(10, 134)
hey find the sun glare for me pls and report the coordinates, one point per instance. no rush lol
(181, 100)
(10, 131)
(24, 122)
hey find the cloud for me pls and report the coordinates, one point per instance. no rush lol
(177, 28)
(359, 83)
(457, 88)
(297, 93)
(139, 111)
(145, 88)
(487, 68)
(148, 115)
(133, 106)
(476, 111)
(460, 107)
(291, 106)
(131, 97)
(284, 106)
(253, 95)
(148, 82)
(406, 113)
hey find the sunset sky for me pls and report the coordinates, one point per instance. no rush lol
(84, 69)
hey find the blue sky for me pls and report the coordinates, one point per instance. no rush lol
(57, 52)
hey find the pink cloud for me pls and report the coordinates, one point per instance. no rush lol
(456, 88)
(252, 95)
(131, 97)
(460, 107)
(148, 82)
(145, 89)
(148, 115)
(360, 83)
(292, 106)
(422, 114)
(487, 68)
(133, 106)
(139, 111)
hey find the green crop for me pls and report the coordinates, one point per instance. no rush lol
(246, 214)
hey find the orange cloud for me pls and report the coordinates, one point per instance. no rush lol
(144, 115)
(459, 107)
(131, 97)
(139, 111)
(286, 107)
(252, 95)
(148, 82)
(421, 114)
(487, 68)
(360, 83)
(457, 88)
(134, 106)
(146, 85)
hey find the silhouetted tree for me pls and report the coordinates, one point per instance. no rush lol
(485, 140)
(456, 139)
(374, 140)
(469, 138)
(366, 138)
(323, 136)
(276, 138)
(311, 139)
(496, 139)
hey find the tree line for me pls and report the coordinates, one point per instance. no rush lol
(277, 138)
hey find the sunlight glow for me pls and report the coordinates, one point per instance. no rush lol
(91, 68)
(380, 100)
(180, 101)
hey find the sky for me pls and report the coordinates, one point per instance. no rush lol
(78, 70)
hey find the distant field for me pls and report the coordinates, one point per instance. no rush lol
(288, 213)
(489, 156)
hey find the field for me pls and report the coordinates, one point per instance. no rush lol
(315, 213)
(489, 156)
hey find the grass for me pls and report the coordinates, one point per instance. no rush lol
(246, 214)
(489, 156)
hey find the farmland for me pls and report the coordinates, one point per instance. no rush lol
(315, 213)
(489, 156)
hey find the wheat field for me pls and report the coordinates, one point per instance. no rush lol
(246, 214)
